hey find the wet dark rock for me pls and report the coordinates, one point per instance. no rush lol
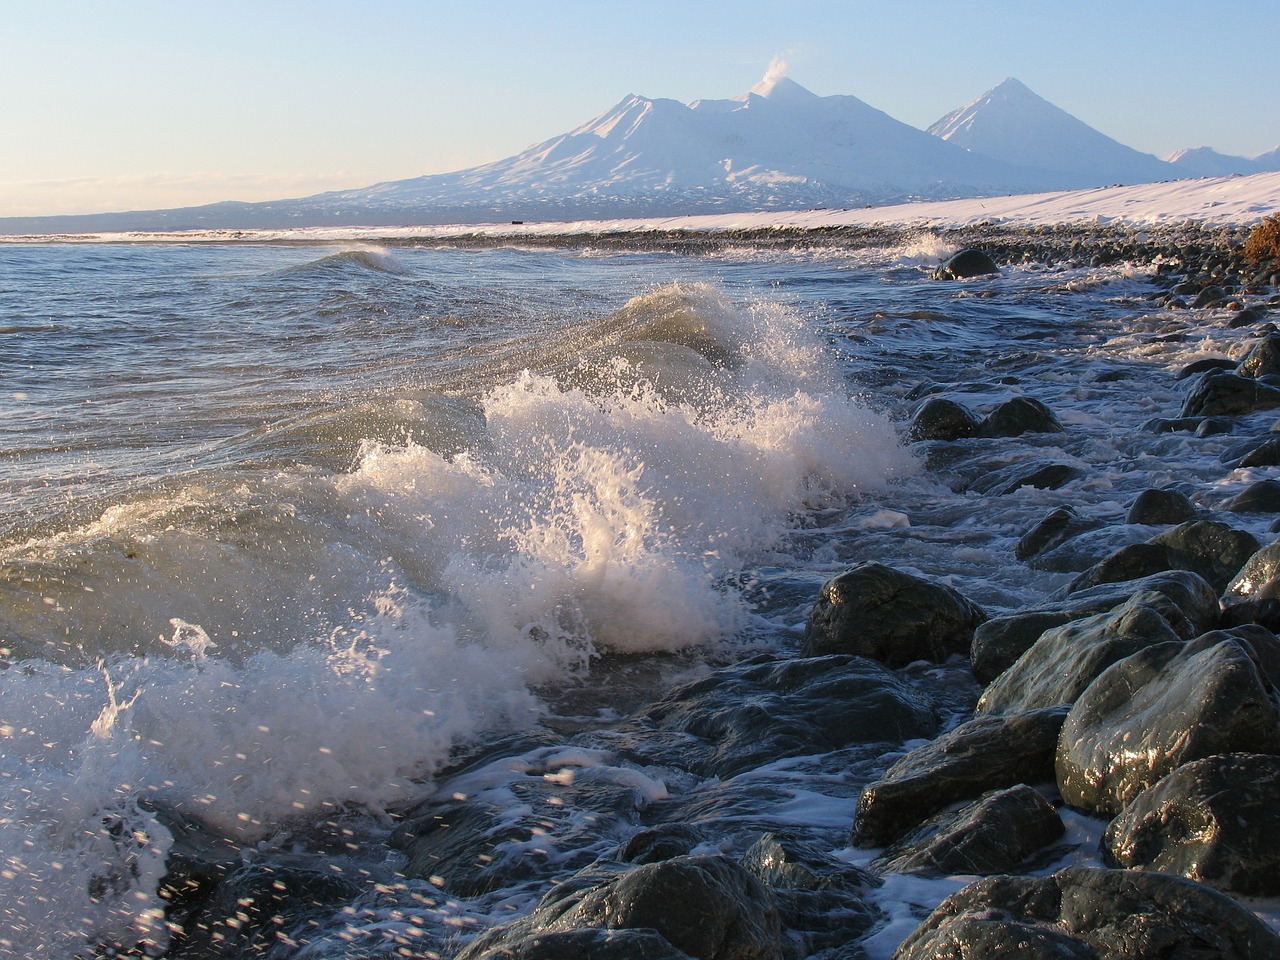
(820, 899)
(1261, 608)
(1154, 507)
(754, 713)
(1205, 364)
(1258, 570)
(1246, 318)
(1058, 526)
(1265, 453)
(1175, 424)
(964, 763)
(1018, 416)
(1262, 496)
(264, 907)
(1212, 549)
(1215, 820)
(1041, 474)
(1222, 394)
(1156, 710)
(993, 834)
(478, 844)
(965, 264)
(1209, 297)
(1080, 913)
(1082, 550)
(1213, 426)
(941, 419)
(875, 611)
(1263, 359)
(1062, 663)
(591, 943)
(707, 907)
(660, 843)
(999, 642)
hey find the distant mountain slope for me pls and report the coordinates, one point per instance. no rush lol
(776, 147)
(1207, 162)
(1013, 124)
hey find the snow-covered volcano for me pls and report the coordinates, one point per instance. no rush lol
(776, 147)
(1014, 124)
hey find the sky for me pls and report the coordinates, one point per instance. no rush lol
(146, 104)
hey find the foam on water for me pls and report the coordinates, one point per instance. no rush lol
(275, 643)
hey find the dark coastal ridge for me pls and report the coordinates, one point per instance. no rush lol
(969, 747)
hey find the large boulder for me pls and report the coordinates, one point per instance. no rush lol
(1000, 641)
(1215, 820)
(1054, 529)
(1158, 709)
(263, 908)
(1039, 474)
(1066, 659)
(1258, 570)
(471, 837)
(1261, 496)
(1262, 359)
(1082, 913)
(875, 611)
(993, 834)
(983, 754)
(821, 900)
(1212, 549)
(754, 713)
(941, 419)
(1218, 393)
(1156, 506)
(706, 907)
(965, 264)
(1018, 416)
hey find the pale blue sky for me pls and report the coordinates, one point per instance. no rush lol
(141, 103)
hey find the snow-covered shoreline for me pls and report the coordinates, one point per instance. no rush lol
(1219, 201)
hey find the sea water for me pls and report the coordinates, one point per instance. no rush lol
(287, 528)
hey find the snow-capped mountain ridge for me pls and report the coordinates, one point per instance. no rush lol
(778, 146)
(1012, 123)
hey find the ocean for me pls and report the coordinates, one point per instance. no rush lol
(290, 530)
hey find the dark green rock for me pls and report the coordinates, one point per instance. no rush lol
(1062, 663)
(1261, 568)
(1162, 707)
(983, 754)
(821, 900)
(941, 419)
(1161, 507)
(1081, 912)
(1221, 394)
(993, 834)
(1018, 416)
(708, 907)
(875, 611)
(1040, 474)
(1215, 820)
(1263, 359)
(1057, 526)
(1209, 548)
(965, 264)
(755, 713)
(998, 643)
(1261, 496)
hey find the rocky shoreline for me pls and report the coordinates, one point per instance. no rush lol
(1144, 693)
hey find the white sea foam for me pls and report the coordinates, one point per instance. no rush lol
(601, 510)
